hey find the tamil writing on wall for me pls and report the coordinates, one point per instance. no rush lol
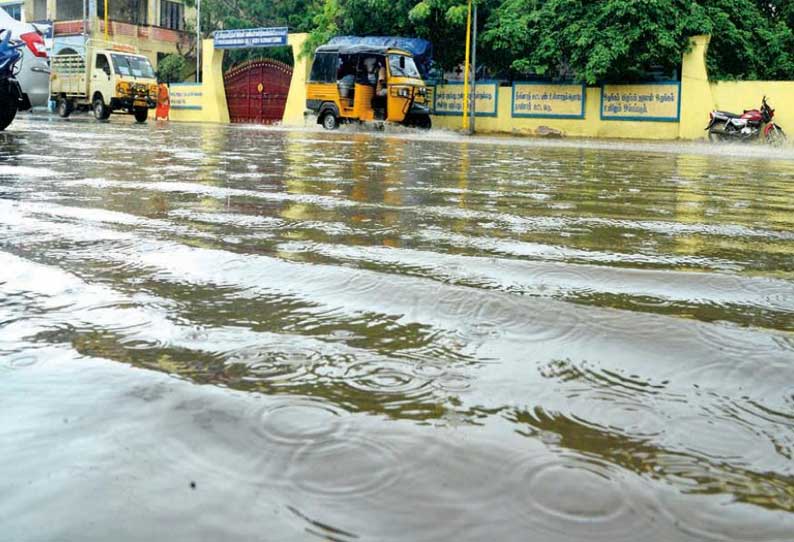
(644, 102)
(548, 100)
(448, 99)
(185, 95)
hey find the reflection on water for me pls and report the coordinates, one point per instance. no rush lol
(401, 336)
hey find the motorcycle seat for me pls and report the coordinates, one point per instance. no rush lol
(727, 114)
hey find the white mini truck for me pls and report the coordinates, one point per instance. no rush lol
(107, 79)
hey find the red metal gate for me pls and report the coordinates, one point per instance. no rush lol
(256, 91)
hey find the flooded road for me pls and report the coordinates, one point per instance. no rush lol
(236, 333)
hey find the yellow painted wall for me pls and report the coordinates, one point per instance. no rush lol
(210, 106)
(590, 126)
(736, 96)
(696, 99)
(296, 99)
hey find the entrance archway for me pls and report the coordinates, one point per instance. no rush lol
(205, 101)
(257, 90)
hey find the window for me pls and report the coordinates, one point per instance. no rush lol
(402, 66)
(14, 10)
(39, 10)
(70, 10)
(136, 66)
(128, 11)
(102, 63)
(324, 68)
(172, 15)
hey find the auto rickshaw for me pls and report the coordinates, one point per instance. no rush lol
(344, 87)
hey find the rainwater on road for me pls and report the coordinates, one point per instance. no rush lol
(254, 334)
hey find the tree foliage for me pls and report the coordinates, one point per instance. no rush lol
(626, 39)
(171, 69)
(583, 40)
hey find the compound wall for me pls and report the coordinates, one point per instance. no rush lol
(662, 110)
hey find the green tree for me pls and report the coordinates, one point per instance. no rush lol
(592, 41)
(627, 39)
(750, 39)
(171, 69)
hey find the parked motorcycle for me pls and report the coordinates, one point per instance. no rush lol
(726, 126)
(11, 97)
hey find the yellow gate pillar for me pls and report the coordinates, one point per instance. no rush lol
(212, 82)
(296, 99)
(696, 99)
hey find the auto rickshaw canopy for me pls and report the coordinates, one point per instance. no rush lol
(420, 49)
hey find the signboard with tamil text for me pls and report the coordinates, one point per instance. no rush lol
(548, 100)
(448, 99)
(642, 102)
(185, 95)
(250, 37)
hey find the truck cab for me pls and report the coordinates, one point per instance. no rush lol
(106, 80)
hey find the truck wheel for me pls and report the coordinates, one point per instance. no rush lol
(65, 107)
(101, 111)
(329, 121)
(141, 114)
(8, 111)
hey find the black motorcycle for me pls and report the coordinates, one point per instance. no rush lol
(11, 97)
(726, 126)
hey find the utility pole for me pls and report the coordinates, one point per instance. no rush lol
(474, 73)
(198, 41)
(466, 72)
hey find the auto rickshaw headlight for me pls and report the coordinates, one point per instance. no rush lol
(422, 91)
(402, 92)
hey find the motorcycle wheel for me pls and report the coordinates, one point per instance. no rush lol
(8, 111)
(776, 137)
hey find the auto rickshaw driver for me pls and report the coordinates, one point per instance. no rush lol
(381, 91)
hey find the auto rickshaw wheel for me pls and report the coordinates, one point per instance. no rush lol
(141, 114)
(422, 122)
(329, 121)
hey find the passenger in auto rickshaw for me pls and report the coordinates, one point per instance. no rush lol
(375, 76)
(346, 76)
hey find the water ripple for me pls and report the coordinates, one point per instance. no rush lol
(577, 497)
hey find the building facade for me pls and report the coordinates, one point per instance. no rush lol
(155, 28)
